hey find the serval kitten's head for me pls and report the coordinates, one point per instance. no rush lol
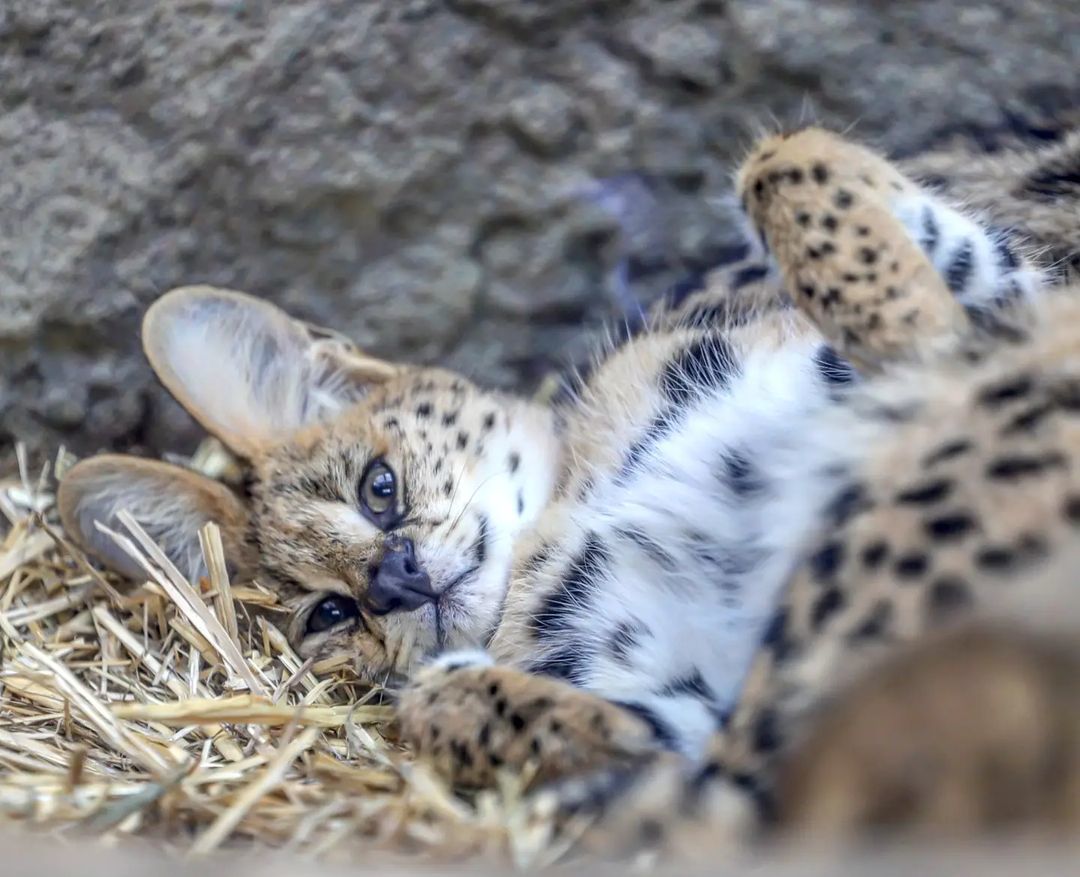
(383, 502)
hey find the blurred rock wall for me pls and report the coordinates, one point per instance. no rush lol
(473, 182)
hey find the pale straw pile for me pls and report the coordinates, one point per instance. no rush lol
(171, 711)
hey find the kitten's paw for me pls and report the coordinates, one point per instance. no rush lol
(471, 720)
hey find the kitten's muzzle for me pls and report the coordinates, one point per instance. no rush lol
(399, 583)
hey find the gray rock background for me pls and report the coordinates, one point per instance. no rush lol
(473, 182)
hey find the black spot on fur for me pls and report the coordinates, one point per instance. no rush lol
(1058, 178)
(461, 754)
(513, 461)
(829, 222)
(704, 365)
(948, 451)
(911, 566)
(960, 267)
(574, 590)
(931, 232)
(1067, 396)
(661, 731)
(480, 546)
(833, 369)
(826, 561)
(802, 218)
(1004, 559)
(775, 638)
(650, 546)
(1006, 258)
(876, 623)
(874, 554)
(423, 409)
(947, 596)
(949, 527)
(1006, 391)
(994, 558)
(1027, 420)
(820, 173)
(624, 639)
(450, 418)
(868, 256)
(846, 504)
(691, 685)
(1022, 466)
(1071, 509)
(844, 199)
(740, 475)
(828, 604)
(767, 736)
(659, 428)
(489, 421)
(707, 774)
(520, 503)
(926, 493)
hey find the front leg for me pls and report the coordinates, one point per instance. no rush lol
(470, 718)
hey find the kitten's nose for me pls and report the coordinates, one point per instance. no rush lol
(399, 584)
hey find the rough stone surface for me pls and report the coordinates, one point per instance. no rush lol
(475, 182)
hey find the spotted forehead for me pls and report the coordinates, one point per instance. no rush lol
(442, 405)
(425, 423)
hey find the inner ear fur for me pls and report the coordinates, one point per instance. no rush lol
(171, 503)
(247, 371)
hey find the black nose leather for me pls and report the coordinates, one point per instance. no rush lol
(399, 584)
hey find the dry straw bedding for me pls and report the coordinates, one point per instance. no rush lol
(177, 711)
(173, 717)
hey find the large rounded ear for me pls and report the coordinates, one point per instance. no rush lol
(172, 504)
(247, 371)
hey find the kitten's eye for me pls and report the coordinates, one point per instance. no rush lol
(332, 611)
(378, 491)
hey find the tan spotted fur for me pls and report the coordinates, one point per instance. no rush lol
(967, 480)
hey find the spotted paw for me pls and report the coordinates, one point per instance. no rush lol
(470, 721)
(825, 209)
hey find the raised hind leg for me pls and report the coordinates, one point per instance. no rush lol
(886, 269)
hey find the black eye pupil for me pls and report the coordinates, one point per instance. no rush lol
(332, 611)
(383, 485)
